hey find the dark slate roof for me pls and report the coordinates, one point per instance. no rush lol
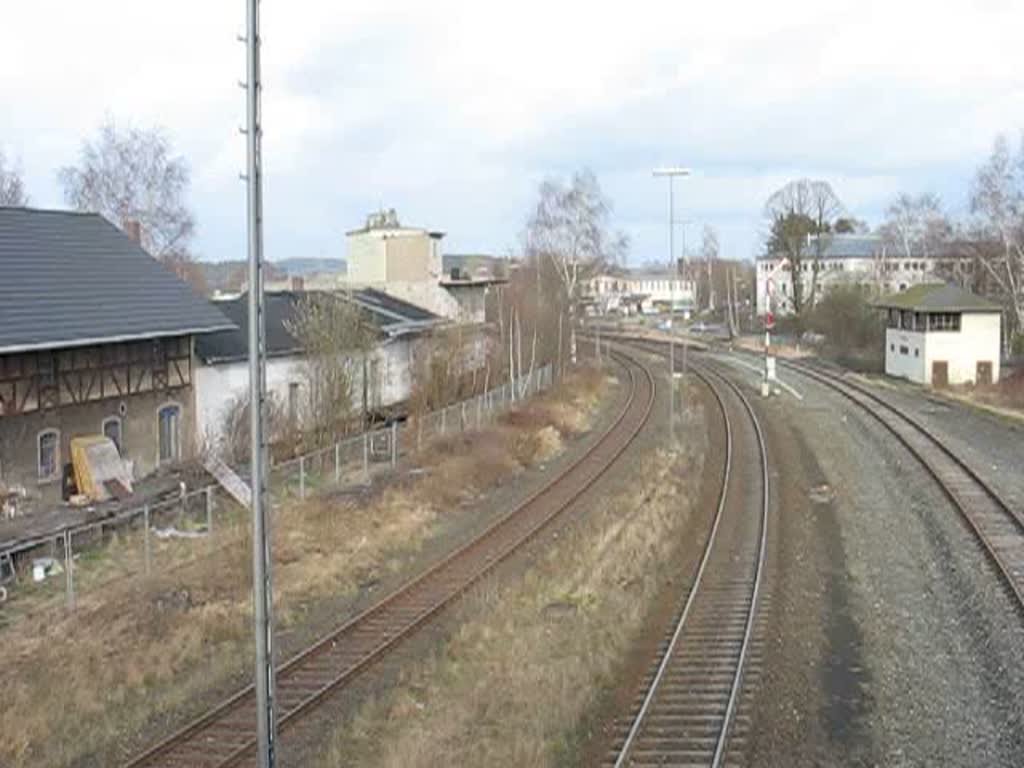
(234, 344)
(390, 316)
(937, 297)
(844, 247)
(388, 307)
(71, 279)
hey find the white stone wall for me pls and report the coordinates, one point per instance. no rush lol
(977, 341)
(217, 386)
(905, 354)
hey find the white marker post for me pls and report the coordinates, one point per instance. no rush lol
(769, 323)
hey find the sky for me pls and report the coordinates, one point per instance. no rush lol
(454, 112)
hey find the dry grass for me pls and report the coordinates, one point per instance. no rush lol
(82, 683)
(1005, 395)
(527, 663)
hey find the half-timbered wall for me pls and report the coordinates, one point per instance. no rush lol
(75, 391)
(39, 381)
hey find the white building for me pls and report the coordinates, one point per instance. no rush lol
(406, 262)
(939, 334)
(222, 376)
(858, 259)
(641, 291)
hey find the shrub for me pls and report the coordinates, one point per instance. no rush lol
(850, 325)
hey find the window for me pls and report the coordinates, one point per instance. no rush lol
(112, 429)
(170, 447)
(49, 454)
(904, 350)
(944, 321)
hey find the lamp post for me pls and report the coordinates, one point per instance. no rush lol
(671, 172)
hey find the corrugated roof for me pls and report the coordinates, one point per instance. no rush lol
(71, 279)
(937, 297)
(388, 315)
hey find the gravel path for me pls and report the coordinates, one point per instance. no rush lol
(891, 640)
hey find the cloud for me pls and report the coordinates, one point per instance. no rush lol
(454, 111)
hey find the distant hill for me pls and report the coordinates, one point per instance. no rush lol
(301, 267)
(229, 275)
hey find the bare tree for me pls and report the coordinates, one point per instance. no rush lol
(802, 215)
(997, 201)
(916, 226)
(569, 229)
(336, 339)
(134, 175)
(12, 185)
(709, 251)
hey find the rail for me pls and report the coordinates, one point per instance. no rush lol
(716, 722)
(224, 735)
(997, 526)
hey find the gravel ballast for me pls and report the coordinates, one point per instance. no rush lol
(892, 640)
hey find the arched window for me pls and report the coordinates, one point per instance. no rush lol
(112, 429)
(49, 454)
(169, 424)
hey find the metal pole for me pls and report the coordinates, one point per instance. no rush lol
(394, 443)
(302, 477)
(145, 535)
(337, 463)
(672, 315)
(366, 457)
(69, 569)
(209, 510)
(261, 583)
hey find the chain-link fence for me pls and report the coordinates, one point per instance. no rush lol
(80, 562)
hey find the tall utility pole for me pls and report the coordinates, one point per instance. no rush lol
(261, 582)
(671, 173)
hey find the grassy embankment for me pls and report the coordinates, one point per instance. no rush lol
(82, 684)
(527, 666)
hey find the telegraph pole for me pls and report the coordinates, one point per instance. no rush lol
(672, 173)
(261, 561)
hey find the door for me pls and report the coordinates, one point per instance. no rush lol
(940, 373)
(984, 374)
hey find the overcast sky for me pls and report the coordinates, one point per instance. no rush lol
(452, 112)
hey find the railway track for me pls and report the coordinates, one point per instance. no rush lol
(686, 713)
(226, 735)
(998, 527)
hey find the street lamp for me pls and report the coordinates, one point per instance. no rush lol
(671, 172)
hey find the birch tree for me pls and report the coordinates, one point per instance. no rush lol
(709, 251)
(916, 225)
(12, 185)
(997, 202)
(569, 228)
(134, 175)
